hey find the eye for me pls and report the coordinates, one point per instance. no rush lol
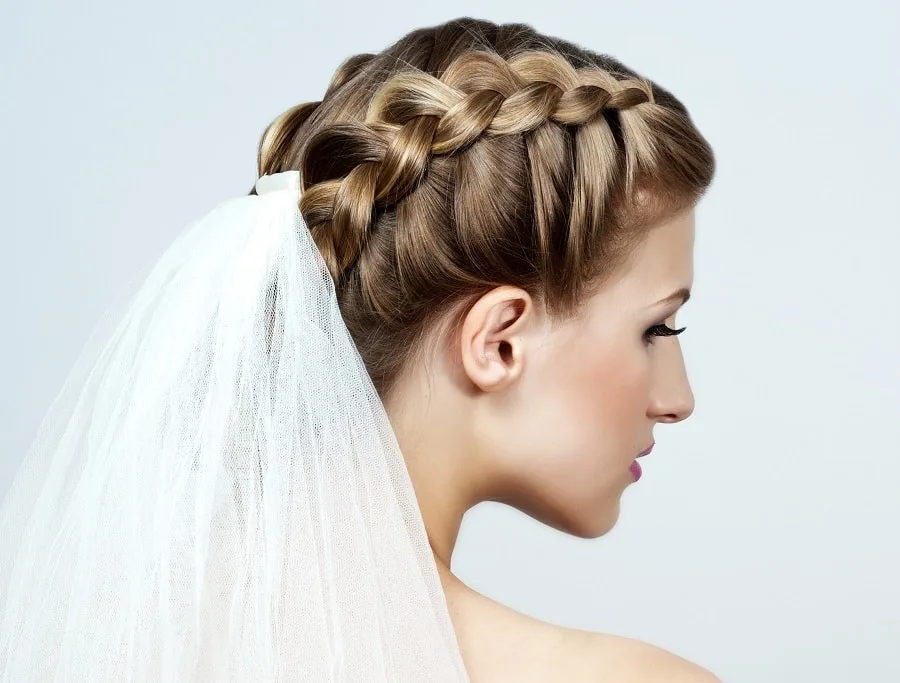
(661, 330)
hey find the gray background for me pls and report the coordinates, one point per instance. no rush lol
(762, 541)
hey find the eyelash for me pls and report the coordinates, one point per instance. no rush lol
(661, 330)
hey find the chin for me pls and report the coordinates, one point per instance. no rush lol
(582, 521)
(596, 525)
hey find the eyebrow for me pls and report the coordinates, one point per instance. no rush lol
(684, 294)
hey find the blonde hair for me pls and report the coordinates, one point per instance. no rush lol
(471, 155)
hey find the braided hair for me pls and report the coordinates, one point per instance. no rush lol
(471, 155)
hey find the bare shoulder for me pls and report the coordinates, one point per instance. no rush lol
(500, 644)
(626, 660)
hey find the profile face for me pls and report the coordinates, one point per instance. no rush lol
(596, 387)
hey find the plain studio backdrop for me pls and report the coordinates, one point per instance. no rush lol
(763, 540)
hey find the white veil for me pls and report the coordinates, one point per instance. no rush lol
(217, 494)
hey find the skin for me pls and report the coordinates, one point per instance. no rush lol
(547, 416)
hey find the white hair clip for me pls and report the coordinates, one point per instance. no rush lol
(274, 182)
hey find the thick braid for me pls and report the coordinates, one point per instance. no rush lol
(351, 170)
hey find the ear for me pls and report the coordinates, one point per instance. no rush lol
(492, 343)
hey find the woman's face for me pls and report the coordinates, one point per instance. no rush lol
(593, 388)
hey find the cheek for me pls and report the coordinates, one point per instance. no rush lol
(573, 432)
(600, 409)
(617, 396)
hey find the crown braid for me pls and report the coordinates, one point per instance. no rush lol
(470, 155)
(415, 116)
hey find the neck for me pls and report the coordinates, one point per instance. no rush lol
(434, 441)
(444, 491)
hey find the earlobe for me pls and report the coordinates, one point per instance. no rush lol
(492, 341)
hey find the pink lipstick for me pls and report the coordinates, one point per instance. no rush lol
(635, 467)
(636, 470)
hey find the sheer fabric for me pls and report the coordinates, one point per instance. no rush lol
(217, 494)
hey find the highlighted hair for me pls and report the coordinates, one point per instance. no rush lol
(471, 155)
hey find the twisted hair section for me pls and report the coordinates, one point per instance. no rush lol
(470, 155)
(416, 116)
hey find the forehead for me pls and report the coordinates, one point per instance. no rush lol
(667, 251)
(662, 264)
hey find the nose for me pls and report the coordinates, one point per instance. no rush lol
(671, 397)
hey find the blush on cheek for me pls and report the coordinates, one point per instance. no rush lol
(608, 411)
(578, 416)
(613, 393)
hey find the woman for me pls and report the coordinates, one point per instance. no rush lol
(507, 224)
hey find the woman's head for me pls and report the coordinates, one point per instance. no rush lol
(497, 206)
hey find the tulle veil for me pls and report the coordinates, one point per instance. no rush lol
(217, 494)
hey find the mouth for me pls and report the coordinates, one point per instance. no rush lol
(635, 466)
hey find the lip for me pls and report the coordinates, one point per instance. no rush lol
(647, 452)
(635, 469)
